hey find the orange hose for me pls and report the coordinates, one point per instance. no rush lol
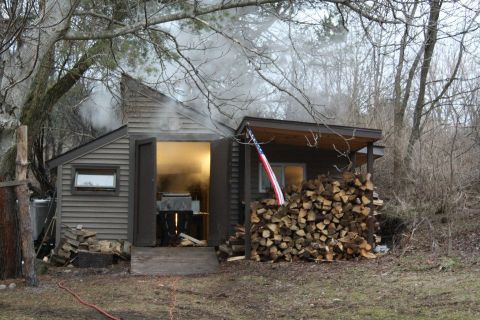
(101, 311)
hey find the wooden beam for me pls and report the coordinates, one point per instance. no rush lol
(13, 183)
(28, 252)
(247, 199)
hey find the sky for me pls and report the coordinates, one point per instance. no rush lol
(320, 67)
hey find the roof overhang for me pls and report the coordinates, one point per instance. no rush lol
(322, 136)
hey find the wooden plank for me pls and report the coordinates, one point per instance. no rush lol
(236, 258)
(21, 171)
(173, 260)
(13, 183)
(194, 240)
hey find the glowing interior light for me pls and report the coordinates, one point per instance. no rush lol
(176, 223)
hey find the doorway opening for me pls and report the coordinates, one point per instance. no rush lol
(182, 191)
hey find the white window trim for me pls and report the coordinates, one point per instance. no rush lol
(113, 175)
(281, 180)
(87, 190)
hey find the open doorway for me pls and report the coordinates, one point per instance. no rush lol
(182, 190)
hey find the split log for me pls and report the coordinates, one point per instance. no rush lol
(234, 247)
(76, 240)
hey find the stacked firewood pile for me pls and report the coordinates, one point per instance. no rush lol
(234, 247)
(78, 244)
(324, 219)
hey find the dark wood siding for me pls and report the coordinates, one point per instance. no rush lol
(235, 186)
(219, 191)
(147, 117)
(151, 114)
(106, 214)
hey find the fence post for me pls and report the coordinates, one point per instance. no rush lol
(21, 190)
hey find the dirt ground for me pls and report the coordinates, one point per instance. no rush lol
(410, 287)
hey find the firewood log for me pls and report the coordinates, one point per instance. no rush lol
(323, 218)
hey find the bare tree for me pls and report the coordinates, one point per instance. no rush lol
(35, 34)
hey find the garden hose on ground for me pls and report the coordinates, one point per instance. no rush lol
(101, 311)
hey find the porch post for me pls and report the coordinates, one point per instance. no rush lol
(247, 200)
(370, 220)
(353, 160)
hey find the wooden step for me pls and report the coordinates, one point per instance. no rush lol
(168, 261)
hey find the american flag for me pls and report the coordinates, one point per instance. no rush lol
(268, 169)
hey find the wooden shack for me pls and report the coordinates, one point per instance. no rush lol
(114, 184)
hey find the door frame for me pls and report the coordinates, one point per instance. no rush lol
(219, 191)
(210, 138)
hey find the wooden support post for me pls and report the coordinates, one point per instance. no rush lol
(28, 253)
(353, 160)
(370, 220)
(247, 199)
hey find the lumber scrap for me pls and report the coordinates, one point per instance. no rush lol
(14, 183)
(193, 240)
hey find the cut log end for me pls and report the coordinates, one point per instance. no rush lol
(323, 220)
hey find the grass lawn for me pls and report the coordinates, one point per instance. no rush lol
(412, 287)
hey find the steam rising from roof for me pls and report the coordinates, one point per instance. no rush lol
(101, 109)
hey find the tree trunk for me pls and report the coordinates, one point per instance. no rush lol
(430, 42)
(399, 130)
(24, 64)
(28, 253)
(401, 101)
(10, 255)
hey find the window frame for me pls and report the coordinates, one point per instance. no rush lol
(281, 179)
(89, 191)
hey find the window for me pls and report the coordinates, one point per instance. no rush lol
(95, 179)
(286, 173)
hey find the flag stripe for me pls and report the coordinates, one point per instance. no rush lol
(266, 165)
(276, 188)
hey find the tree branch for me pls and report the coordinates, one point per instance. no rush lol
(196, 11)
